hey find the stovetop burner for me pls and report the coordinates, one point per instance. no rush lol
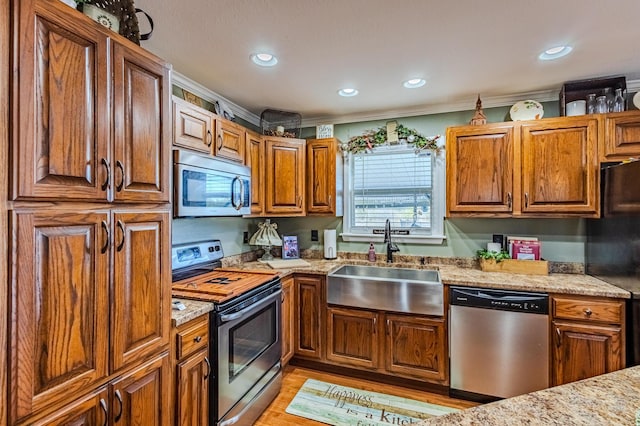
(223, 280)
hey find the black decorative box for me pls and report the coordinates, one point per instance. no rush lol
(579, 89)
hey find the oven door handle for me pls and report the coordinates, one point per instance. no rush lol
(250, 308)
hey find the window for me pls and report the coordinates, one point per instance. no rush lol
(397, 184)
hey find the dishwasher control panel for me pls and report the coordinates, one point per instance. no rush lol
(506, 300)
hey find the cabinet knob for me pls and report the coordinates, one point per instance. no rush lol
(509, 200)
(198, 339)
(588, 312)
(526, 199)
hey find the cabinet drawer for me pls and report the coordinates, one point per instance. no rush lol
(610, 312)
(194, 336)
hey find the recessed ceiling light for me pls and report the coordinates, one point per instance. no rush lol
(414, 83)
(555, 53)
(347, 92)
(264, 59)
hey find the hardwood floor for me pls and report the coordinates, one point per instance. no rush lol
(294, 378)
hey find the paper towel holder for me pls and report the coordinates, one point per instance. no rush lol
(330, 245)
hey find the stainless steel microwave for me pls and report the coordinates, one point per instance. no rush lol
(207, 186)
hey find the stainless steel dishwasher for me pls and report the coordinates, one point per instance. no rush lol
(498, 342)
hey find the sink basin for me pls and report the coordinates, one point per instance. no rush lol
(417, 291)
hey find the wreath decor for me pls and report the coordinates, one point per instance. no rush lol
(372, 138)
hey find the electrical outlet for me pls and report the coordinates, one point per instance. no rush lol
(314, 235)
(245, 237)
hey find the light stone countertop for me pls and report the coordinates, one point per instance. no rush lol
(576, 284)
(195, 308)
(609, 399)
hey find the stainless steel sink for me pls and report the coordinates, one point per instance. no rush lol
(416, 291)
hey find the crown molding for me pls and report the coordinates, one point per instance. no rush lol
(198, 89)
(460, 105)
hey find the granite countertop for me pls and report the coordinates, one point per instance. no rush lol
(609, 399)
(195, 308)
(578, 284)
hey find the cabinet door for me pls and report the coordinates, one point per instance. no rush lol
(310, 298)
(560, 167)
(89, 411)
(255, 159)
(621, 136)
(285, 176)
(480, 170)
(416, 348)
(321, 177)
(61, 136)
(287, 320)
(141, 303)
(230, 140)
(192, 408)
(60, 306)
(584, 350)
(352, 337)
(192, 126)
(141, 397)
(142, 126)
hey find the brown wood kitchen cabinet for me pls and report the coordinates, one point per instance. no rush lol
(288, 323)
(621, 138)
(324, 177)
(587, 337)
(540, 168)
(285, 176)
(310, 300)
(192, 126)
(254, 158)
(410, 346)
(91, 274)
(96, 133)
(193, 372)
(230, 140)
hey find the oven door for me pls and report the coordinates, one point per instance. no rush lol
(207, 192)
(248, 348)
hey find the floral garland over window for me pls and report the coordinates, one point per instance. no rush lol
(372, 138)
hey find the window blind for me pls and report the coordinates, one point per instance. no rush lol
(395, 185)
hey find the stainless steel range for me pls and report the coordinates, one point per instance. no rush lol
(245, 330)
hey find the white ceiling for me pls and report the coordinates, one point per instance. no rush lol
(461, 47)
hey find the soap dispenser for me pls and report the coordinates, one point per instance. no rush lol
(372, 253)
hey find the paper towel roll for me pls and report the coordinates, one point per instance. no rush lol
(330, 245)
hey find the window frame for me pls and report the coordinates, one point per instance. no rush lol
(438, 204)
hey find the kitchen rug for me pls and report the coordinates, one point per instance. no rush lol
(345, 406)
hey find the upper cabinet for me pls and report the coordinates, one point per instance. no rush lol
(542, 168)
(192, 126)
(254, 158)
(621, 136)
(230, 139)
(105, 144)
(285, 176)
(324, 177)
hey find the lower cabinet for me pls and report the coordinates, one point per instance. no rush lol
(310, 299)
(288, 315)
(407, 346)
(193, 372)
(587, 338)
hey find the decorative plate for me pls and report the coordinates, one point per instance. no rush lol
(526, 110)
(636, 100)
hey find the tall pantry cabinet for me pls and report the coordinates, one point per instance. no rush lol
(89, 215)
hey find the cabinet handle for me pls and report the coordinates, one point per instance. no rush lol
(526, 199)
(588, 312)
(219, 142)
(119, 415)
(107, 242)
(107, 167)
(103, 406)
(198, 339)
(120, 167)
(388, 327)
(206, 360)
(559, 339)
(375, 321)
(509, 200)
(209, 138)
(121, 227)
(299, 201)
(329, 200)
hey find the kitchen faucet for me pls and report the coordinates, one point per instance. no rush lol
(387, 239)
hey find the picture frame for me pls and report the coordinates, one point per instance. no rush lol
(290, 247)
(324, 131)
